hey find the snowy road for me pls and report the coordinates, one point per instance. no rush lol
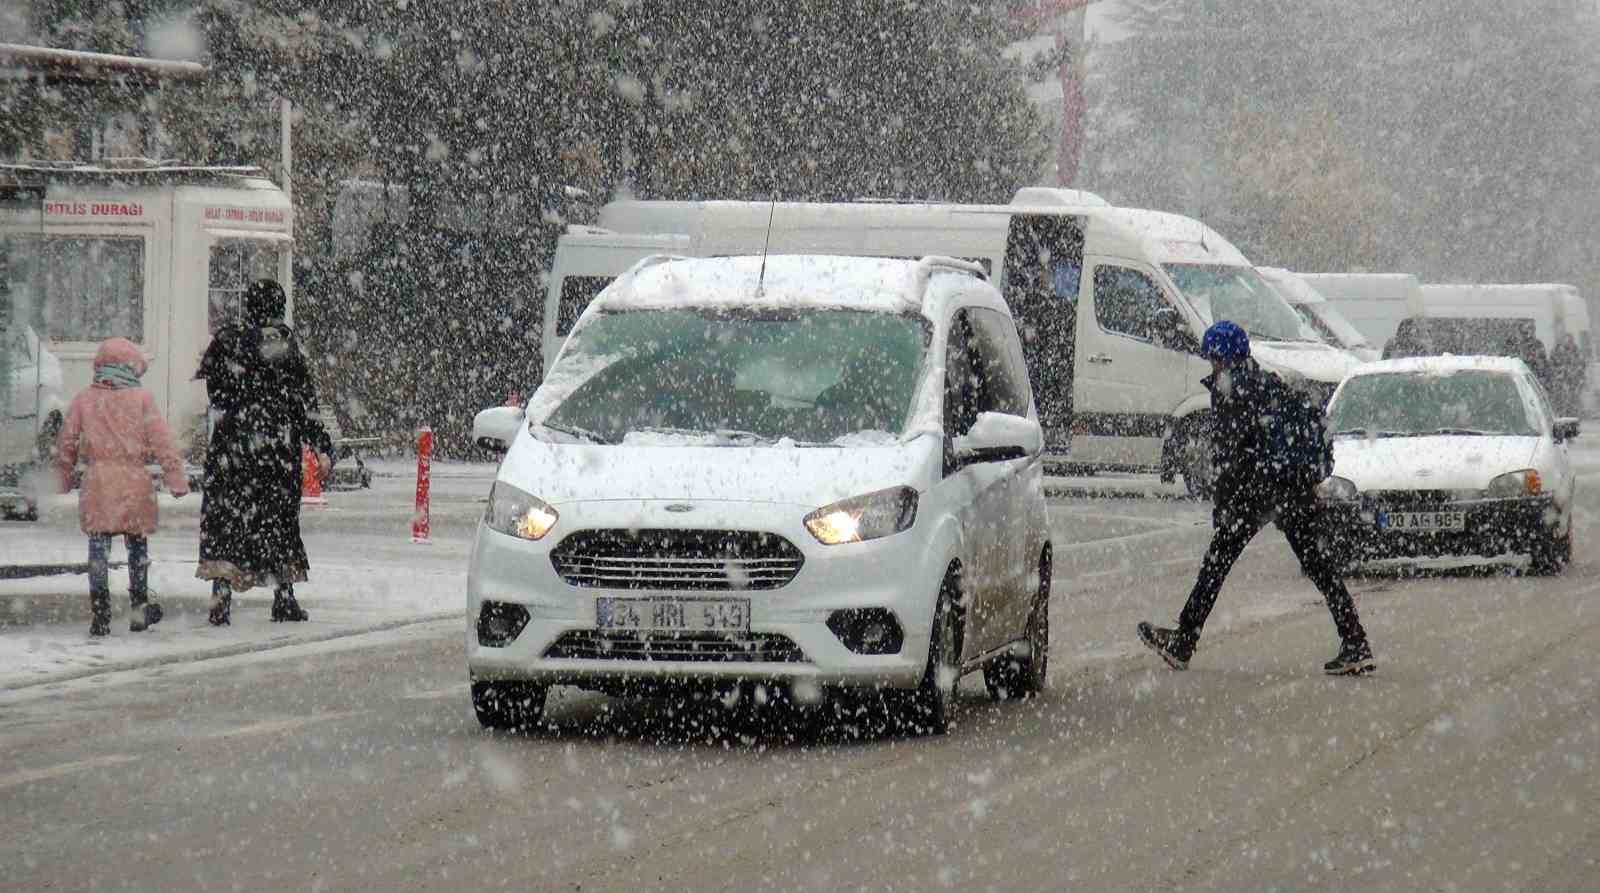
(1468, 762)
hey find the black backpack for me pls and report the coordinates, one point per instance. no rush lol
(1297, 437)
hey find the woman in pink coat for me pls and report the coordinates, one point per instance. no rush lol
(115, 428)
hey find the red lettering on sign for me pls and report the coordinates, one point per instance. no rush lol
(94, 209)
(247, 215)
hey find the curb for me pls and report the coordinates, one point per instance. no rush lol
(24, 571)
(227, 651)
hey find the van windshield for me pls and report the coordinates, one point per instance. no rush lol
(1239, 294)
(1343, 332)
(720, 378)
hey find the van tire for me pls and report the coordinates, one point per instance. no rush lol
(926, 709)
(1011, 676)
(1194, 456)
(509, 706)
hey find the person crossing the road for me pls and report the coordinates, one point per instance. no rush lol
(1271, 452)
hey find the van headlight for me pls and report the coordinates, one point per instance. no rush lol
(1515, 483)
(517, 513)
(1338, 489)
(865, 517)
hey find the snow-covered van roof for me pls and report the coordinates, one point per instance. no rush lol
(726, 227)
(883, 285)
(1442, 365)
(1170, 238)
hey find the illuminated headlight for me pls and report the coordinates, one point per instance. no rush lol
(1516, 483)
(515, 513)
(1338, 489)
(865, 517)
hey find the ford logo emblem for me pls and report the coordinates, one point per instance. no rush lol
(680, 507)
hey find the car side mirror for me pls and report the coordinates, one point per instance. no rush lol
(494, 429)
(1168, 329)
(1565, 429)
(999, 437)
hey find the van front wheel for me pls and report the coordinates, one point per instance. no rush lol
(1194, 456)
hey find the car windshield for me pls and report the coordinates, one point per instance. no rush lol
(739, 377)
(1469, 402)
(1219, 291)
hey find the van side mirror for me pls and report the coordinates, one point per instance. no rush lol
(999, 437)
(494, 429)
(1565, 429)
(1168, 330)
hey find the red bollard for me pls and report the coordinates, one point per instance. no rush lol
(419, 521)
(310, 478)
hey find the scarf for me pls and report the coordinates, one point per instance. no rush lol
(116, 376)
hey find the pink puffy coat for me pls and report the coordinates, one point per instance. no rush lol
(116, 431)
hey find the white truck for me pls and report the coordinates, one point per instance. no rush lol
(1110, 302)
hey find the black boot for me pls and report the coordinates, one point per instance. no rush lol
(1173, 645)
(1354, 659)
(146, 613)
(285, 608)
(221, 603)
(99, 613)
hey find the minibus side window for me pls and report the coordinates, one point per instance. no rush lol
(1125, 301)
(576, 293)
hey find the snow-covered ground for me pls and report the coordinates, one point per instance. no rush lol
(366, 575)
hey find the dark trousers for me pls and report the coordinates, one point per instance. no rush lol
(138, 566)
(1297, 515)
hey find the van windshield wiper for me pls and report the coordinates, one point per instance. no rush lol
(1468, 431)
(1363, 432)
(575, 431)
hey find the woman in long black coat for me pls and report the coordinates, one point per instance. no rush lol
(259, 381)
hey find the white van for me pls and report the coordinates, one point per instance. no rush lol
(1374, 303)
(1111, 302)
(156, 254)
(1319, 313)
(781, 471)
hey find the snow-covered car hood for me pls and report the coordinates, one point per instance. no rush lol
(792, 475)
(1441, 462)
(1315, 361)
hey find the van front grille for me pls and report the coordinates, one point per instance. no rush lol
(676, 559)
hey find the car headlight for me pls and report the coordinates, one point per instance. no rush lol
(516, 513)
(1515, 483)
(1338, 489)
(865, 517)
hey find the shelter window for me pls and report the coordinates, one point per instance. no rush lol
(234, 264)
(78, 287)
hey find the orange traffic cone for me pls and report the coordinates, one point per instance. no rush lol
(310, 479)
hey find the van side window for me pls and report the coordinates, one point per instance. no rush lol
(960, 379)
(1125, 301)
(997, 357)
(576, 293)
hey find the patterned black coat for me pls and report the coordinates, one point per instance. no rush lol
(259, 384)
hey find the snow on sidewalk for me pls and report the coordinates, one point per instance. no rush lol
(366, 575)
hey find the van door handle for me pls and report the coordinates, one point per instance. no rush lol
(1100, 359)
